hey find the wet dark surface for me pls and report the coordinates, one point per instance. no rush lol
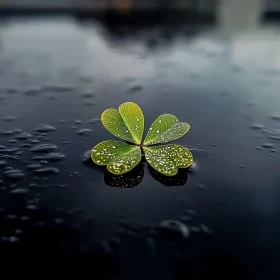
(59, 212)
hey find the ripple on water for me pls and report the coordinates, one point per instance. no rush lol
(43, 148)
(84, 132)
(174, 229)
(44, 128)
(14, 174)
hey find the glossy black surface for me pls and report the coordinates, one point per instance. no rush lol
(73, 216)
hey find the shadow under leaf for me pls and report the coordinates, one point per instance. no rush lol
(135, 177)
(179, 179)
(128, 180)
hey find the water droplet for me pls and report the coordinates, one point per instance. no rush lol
(136, 88)
(242, 166)
(47, 170)
(89, 102)
(268, 145)
(32, 91)
(174, 229)
(13, 239)
(206, 229)
(157, 131)
(256, 126)
(151, 129)
(11, 217)
(87, 95)
(200, 187)
(84, 132)
(44, 128)
(275, 117)
(14, 174)
(2, 163)
(51, 157)
(274, 137)
(9, 118)
(43, 148)
(32, 207)
(94, 121)
(19, 191)
(23, 136)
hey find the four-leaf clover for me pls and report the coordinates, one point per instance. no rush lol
(127, 123)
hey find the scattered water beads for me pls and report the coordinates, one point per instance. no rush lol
(117, 155)
(166, 159)
(126, 163)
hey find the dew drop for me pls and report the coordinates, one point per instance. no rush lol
(157, 131)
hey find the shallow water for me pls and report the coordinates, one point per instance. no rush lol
(58, 76)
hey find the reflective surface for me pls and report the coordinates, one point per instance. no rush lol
(58, 208)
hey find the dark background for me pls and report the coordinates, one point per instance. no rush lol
(213, 64)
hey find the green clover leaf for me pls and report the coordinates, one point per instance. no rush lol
(128, 124)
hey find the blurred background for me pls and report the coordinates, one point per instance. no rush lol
(212, 63)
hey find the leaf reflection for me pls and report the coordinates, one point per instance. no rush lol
(135, 177)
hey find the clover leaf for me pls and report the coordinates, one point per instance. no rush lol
(127, 123)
